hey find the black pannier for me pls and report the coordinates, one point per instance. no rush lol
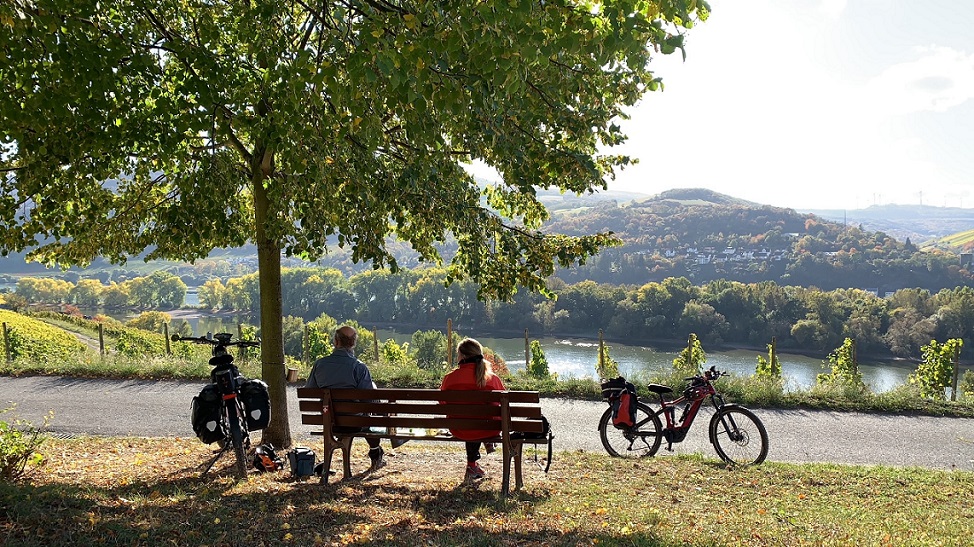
(257, 403)
(207, 415)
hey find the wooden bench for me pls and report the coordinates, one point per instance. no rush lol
(517, 415)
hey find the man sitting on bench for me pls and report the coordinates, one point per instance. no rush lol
(342, 370)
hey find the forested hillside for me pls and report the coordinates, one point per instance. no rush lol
(705, 236)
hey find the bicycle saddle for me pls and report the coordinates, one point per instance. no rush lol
(661, 389)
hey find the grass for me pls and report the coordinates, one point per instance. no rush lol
(136, 491)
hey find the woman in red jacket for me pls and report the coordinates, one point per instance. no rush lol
(473, 372)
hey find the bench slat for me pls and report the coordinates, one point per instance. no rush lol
(391, 394)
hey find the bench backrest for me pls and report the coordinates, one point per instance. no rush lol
(520, 411)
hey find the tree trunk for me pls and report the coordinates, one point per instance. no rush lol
(278, 432)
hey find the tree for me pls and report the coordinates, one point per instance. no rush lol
(174, 128)
(87, 292)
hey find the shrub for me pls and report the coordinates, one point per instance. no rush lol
(19, 442)
(845, 369)
(606, 367)
(935, 373)
(691, 358)
(429, 348)
(966, 385)
(769, 367)
(538, 365)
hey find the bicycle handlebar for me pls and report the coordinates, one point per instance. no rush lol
(708, 375)
(219, 339)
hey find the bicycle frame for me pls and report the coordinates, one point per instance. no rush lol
(676, 430)
(738, 436)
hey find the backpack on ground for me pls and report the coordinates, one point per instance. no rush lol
(265, 459)
(302, 462)
(622, 399)
(207, 415)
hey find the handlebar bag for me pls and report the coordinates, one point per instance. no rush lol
(207, 415)
(257, 402)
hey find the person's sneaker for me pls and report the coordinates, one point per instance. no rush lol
(474, 473)
(375, 454)
(489, 448)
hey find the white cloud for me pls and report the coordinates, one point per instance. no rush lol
(940, 79)
(833, 8)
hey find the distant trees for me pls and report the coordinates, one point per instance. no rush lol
(728, 312)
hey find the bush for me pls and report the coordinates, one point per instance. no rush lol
(935, 373)
(538, 365)
(606, 367)
(429, 348)
(19, 442)
(845, 372)
(690, 360)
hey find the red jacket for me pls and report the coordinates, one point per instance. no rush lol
(463, 379)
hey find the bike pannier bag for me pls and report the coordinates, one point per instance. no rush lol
(611, 389)
(302, 462)
(207, 415)
(257, 403)
(624, 410)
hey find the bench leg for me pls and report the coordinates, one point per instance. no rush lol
(347, 458)
(518, 481)
(506, 483)
(329, 447)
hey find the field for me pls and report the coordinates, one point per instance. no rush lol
(136, 491)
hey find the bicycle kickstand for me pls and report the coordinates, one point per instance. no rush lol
(213, 460)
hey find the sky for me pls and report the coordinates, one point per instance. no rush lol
(837, 104)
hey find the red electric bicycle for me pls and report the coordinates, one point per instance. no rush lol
(737, 434)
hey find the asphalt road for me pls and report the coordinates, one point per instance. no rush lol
(162, 408)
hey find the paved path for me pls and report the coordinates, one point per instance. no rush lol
(161, 409)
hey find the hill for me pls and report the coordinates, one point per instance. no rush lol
(706, 236)
(919, 223)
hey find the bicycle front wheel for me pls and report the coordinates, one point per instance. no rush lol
(738, 436)
(237, 438)
(639, 441)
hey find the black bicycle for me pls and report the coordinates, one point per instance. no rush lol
(738, 435)
(229, 408)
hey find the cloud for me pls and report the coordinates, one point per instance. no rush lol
(940, 79)
(833, 8)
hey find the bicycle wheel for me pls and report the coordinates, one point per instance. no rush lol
(738, 436)
(639, 441)
(237, 437)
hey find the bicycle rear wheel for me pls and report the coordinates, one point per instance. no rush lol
(639, 441)
(738, 436)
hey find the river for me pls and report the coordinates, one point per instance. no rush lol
(574, 357)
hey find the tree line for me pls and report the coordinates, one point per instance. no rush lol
(722, 312)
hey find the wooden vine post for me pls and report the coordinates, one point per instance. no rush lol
(6, 342)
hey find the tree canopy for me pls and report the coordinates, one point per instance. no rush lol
(174, 127)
